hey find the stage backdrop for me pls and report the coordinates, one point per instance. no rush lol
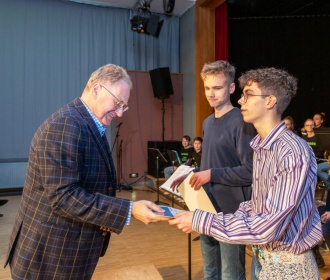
(143, 123)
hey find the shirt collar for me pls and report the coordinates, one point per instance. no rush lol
(257, 143)
(101, 128)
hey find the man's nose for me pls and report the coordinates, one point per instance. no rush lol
(119, 112)
(240, 101)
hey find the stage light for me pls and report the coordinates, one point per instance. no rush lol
(150, 25)
(145, 22)
(139, 24)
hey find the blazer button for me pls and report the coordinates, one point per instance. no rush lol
(110, 189)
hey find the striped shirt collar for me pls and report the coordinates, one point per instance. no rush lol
(101, 128)
(258, 143)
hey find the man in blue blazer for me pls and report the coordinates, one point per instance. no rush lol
(68, 208)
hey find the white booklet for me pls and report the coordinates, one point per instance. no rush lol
(193, 199)
(181, 170)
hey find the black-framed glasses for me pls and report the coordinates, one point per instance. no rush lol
(246, 95)
(118, 103)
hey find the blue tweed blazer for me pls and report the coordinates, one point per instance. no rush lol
(69, 192)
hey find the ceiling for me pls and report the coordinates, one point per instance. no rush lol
(273, 8)
(156, 6)
(236, 8)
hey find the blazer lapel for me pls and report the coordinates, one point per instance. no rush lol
(109, 157)
(101, 142)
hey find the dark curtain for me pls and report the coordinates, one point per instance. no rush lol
(300, 45)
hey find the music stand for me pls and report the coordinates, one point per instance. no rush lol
(159, 157)
(174, 157)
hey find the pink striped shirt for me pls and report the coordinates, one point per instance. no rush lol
(281, 214)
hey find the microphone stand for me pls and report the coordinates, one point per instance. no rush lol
(117, 135)
(119, 161)
(163, 118)
(119, 166)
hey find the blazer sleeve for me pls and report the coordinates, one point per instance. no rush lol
(75, 177)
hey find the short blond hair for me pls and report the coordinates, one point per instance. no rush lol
(109, 73)
(219, 67)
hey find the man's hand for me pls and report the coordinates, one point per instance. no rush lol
(177, 182)
(198, 179)
(183, 221)
(325, 218)
(142, 211)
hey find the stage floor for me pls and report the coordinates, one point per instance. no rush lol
(140, 252)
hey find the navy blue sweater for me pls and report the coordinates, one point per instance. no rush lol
(227, 152)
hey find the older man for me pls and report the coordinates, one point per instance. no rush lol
(68, 207)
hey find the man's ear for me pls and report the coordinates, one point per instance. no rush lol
(272, 101)
(232, 88)
(95, 89)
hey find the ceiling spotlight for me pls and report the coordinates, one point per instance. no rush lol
(168, 6)
(145, 21)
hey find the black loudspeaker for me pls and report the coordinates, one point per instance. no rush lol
(162, 147)
(154, 25)
(161, 82)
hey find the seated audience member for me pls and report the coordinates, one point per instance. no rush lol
(322, 132)
(318, 120)
(289, 123)
(324, 211)
(197, 153)
(185, 154)
(311, 138)
(325, 220)
(323, 168)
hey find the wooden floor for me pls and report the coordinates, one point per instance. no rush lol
(140, 252)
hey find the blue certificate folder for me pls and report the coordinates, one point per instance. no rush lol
(169, 211)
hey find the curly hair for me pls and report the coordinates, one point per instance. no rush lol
(219, 67)
(272, 81)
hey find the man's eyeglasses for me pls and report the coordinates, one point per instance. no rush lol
(119, 103)
(245, 96)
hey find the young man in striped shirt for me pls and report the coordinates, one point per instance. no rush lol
(280, 221)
